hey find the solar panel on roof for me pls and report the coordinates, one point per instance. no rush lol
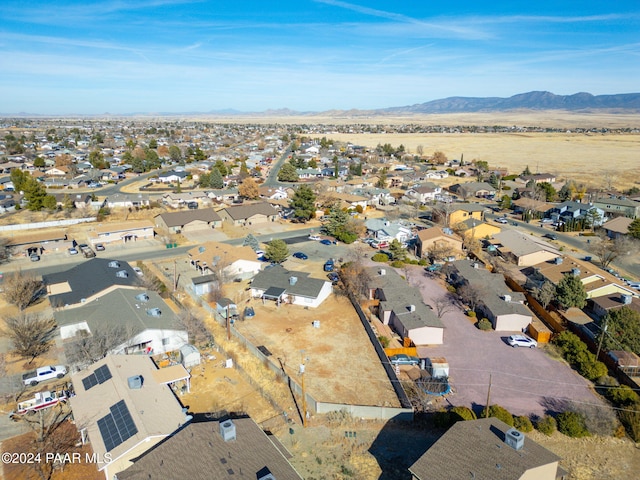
(117, 427)
(90, 381)
(103, 374)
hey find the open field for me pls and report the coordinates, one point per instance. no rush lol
(585, 158)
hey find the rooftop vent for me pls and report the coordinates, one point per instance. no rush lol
(154, 312)
(412, 308)
(293, 280)
(626, 299)
(142, 297)
(475, 265)
(382, 272)
(114, 264)
(514, 439)
(575, 272)
(122, 274)
(135, 382)
(228, 430)
(558, 260)
(506, 298)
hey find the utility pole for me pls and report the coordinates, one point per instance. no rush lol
(304, 392)
(175, 276)
(486, 409)
(228, 325)
(604, 331)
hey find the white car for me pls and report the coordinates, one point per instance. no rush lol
(521, 341)
(138, 271)
(314, 237)
(502, 220)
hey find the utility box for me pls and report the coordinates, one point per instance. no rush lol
(437, 367)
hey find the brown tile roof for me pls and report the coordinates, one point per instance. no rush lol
(476, 449)
(37, 237)
(198, 452)
(184, 217)
(618, 225)
(124, 226)
(241, 212)
(228, 254)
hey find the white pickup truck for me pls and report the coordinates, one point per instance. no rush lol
(43, 374)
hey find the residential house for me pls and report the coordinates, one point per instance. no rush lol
(124, 406)
(249, 214)
(473, 229)
(88, 281)
(350, 201)
(571, 210)
(150, 324)
(439, 243)
(179, 200)
(424, 193)
(531, 206)
(234, 260)
(486, 449)
(127, 200)
(619, 206)
(537, 178)
(473, 189)
(271, 193)
(306, 173)
(495, 301)
(38, 242)
(293, 287)
(185, 221)
(617, 227)
(601, 306)
(172, 176)
(204, 284)
(402, 307)
(130, 231)
(460, 212)
(596, 281)
(523, 250)
(58, 171)
(194, 452)
(384, 229)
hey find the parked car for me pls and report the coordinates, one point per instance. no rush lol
(334, 278)
(73, 251)
(138, 271)
(328, 266)
(551, 236)
(325, 242)
(43, 374)
(300, 255)
(34, 257)
(402, 359)
(521, 341)
(546, 220)
(314, 237)
(99, 247)
(249, 312)
(434, 268)
(502, 220)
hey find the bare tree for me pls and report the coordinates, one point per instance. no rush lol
(440, 250)
(194, 326)
(471, 295)
(21, 289)
(30, 334)
(544, 294)
(607, 250)
(89, 347)
(354, 275)
(444, 305)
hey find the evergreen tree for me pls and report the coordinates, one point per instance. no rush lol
(526, 171)
(303, 202)
(251, 241)
(396, 250)
(215, 179)
(35, 194)
(570, 292)
(287, 173)
(634, 228)
(277, 251)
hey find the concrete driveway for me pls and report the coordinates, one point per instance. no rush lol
(524, 381)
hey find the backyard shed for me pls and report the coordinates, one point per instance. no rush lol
(189, 356)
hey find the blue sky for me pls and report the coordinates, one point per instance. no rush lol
(124, 56)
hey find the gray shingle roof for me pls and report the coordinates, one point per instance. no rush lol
(278, 276)
(87, 279)
(198, 452)
(241, 212)
(184, 217)
(476, 449)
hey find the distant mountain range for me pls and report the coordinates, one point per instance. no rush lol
(528, 101)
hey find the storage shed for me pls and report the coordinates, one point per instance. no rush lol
(189, 356)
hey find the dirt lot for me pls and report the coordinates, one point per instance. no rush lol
(340, 363)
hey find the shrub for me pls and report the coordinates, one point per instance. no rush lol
(484, 324)
(622, 396)
(546, 425)
(506, 187)
(384, 341)
(423, 262)
(397, 263)
(572, 425)
(500, 413)
(522, 423)
(457, 414)
(471, 313)
(631, 421)
(380, 257)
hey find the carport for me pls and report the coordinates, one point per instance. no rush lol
(273, 293)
